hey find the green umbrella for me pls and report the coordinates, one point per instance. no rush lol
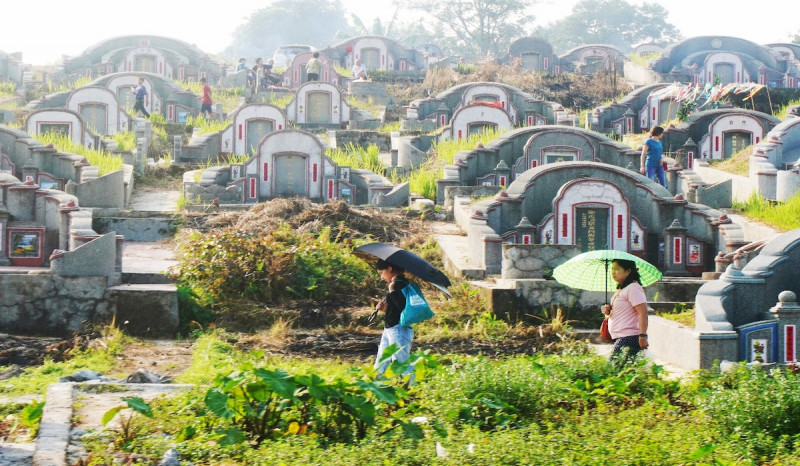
(589, 271)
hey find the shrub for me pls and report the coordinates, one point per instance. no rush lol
(760, 408)
(271, 268)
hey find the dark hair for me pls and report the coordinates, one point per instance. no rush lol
(242, 59)
(656, 131)
(383, 265)
(315, 54)
(632, 277)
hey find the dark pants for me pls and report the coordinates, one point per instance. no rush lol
(139, 106)
(313, 76)
(206, 108)
(626, 349)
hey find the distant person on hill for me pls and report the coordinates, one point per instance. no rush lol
(359, 71)
(243, 66)
(260, 73)
(205, 100)
(269, 74)
(651, 156)
(139, 92)
(313, 66)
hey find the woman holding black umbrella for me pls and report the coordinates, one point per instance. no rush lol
(627, 312)
(392, 306)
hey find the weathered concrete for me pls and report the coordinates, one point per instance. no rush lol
(145, 310)
(53, 437)
(50, 304)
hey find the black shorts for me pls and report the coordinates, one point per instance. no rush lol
(206, 108)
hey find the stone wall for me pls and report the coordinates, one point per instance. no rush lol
(535, 260)
(343, 139)
(48, 304)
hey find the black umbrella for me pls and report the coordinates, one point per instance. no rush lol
(409, 261)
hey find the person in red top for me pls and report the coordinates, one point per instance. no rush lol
(205, 108)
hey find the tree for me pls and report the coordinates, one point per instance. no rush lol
(613, 22)
(478, 27)
(310, 22)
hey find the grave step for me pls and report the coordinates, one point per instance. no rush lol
(145, 309)
(145, 278)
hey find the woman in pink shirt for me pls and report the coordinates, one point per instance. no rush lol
(627, 311)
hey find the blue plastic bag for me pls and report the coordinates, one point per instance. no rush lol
(417, 308)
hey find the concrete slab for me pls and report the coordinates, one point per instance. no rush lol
(154, 201)
(147, 257)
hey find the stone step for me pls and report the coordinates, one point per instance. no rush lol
(145, 278)
(145, 309)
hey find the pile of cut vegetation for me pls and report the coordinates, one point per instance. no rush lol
(304, 216)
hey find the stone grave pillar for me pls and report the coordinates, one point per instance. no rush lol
(502, 174)
(787, 313)
(4, 215)
(65, 211)
(674, 250)
(176, 148)
(690, 149)
(29, 171)
(525, 231)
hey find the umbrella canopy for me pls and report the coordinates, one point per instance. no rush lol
(590, 270)
(409, 261)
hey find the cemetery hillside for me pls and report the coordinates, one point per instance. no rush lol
(338, 241)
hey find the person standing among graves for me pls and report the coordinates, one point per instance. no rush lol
(260, 73)
(359, 71)
(139, 92)
(205, 101)
(243, 66)
(313, 66)
(627, 312)
(651, 156)
(392, 306)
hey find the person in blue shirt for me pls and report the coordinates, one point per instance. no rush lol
(139, 92)
(651, 156)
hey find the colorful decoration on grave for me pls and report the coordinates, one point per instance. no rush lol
(709, 94)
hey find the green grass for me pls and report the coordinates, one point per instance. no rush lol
(780, 113)
(105, 161)
(446, 150)
(738, 164)
(573, 408)
(390, 127)
(368, 105)
(125, 141)
(8, 88)
(644, 58)
(207, 126)
(357, 157)
(280, 101)
(784, 216)
(66, 87)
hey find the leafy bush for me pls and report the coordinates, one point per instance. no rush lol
(232, 264)
(759, 407)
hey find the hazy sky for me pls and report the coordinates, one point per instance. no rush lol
(47, 29)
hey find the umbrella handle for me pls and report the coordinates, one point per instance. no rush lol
(606, 279)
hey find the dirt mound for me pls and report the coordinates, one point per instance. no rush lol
(363, 342)
(307, 217)
(30, 351)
